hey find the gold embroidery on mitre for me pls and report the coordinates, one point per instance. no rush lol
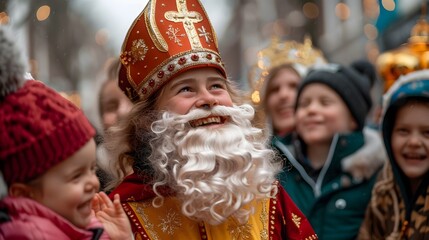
(154, 33)
(188, 19)
(138, 50)
(211, 26)
(173, 34)
(205, 34)
(296, 220)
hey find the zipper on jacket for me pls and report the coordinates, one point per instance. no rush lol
(326, 165)
(96, 233)
(316, 186)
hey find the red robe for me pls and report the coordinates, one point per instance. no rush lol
(276, 218)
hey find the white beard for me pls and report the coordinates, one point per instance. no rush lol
(215, 172)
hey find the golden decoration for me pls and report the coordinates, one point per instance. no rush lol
(188, 19)
(296, 220)
(240, 232)
(279, 53)
(138, 50)
(264, 219)
(152, 28)
(170, 223)
(410, 56)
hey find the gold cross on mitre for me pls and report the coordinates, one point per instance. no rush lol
(188, 19)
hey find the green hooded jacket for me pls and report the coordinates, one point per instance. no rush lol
(332, 200)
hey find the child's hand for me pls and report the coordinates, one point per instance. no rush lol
(112, 216)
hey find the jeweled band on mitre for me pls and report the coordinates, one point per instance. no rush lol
(174, 66)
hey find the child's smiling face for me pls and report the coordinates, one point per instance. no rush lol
(68, 187)
(280, 101)
(410, 140)
(321, 113)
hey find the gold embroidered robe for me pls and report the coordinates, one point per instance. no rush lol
(276, 218)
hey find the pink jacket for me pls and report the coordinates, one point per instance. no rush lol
(31, 220)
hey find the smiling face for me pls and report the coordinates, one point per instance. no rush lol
(280, 102)
(410, 140)
(114, 104)
(321, 113)
(69, 187)
(213, 120)
(202, 135)
(201, 88)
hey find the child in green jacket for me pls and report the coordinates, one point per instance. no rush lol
(332, 105)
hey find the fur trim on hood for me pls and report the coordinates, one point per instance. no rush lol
(367, 160)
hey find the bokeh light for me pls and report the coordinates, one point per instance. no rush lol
(43, 13)
(342, 11)
(310, 10)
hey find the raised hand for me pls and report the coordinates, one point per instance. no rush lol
(112, 216)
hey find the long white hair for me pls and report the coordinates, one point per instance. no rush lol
(215, 172)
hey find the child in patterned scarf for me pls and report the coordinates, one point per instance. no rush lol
(399, 207)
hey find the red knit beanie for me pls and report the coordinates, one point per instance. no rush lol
(38, 129)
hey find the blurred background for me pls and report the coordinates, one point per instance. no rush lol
(69, 42)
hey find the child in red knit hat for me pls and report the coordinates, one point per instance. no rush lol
(47, 157)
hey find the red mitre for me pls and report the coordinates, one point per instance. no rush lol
(167, 38)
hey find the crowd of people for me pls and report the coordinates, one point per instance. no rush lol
(184, 154)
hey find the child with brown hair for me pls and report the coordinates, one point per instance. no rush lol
(113, 106)
(47, 158)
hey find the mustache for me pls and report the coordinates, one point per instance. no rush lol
(178, 121)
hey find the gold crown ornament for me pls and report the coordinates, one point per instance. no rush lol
(300, 55)
(167, 38)
(409, 57)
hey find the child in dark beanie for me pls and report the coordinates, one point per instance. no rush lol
(47, 158)
(332, 104)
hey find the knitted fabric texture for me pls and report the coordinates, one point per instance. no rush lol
(354, 88)
(38, 129)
